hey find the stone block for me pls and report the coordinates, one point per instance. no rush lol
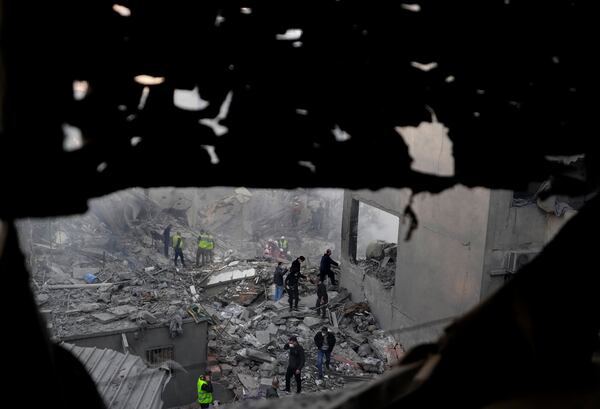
(126, 275)
(148, 317)
(215, 372)
(122, 311)
(88, 307)
(226, 369)
(264, 337)
(105, 317)
(312, 322)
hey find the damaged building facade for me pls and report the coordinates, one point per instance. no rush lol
(460, 246)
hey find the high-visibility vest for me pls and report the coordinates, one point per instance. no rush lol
(176, 238)
(203, 243)
(282, 243)
(203, 396)
(210, 243)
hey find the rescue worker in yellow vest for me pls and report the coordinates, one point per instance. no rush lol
(178, 247)
(283, 244)
(210, 247)
(205, 391)
(202, 244)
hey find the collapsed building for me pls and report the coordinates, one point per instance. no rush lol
(102, 281)
(467, 244)
(333, 94)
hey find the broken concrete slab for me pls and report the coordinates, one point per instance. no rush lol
(387, 349)
(265, 383)
(122, 311)
(250, 382)
(272, 328)
(126, 275)
(226, 369)
(259, 356)
(42, 298)
(148, 317)
(88, 307)
(252, 340)
(105, 317)
(263, 337)
(312, 321)
(227, 276)
(371, 364)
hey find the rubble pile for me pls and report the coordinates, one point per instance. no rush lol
(246, 343)
(381, 262)
(107, 271)
(384, 273)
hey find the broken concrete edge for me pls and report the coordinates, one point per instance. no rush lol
(391, 385)
(224, 283)
(133, 328)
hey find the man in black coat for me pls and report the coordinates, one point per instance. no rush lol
(167, 239)
(322, 297)
(278, 280)
(295, 364)
(325, 341)
(325, 268)
(291, 283)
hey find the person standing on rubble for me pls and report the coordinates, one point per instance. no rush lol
(282, 243)
(178, 248)
(278, 280)
(167, 239)
(200, 249)
(325, 267)
(325, 341)
(291, 283)
(205, 391)
(322, 297)
(295, 364)
(296, 211)
(210, 247)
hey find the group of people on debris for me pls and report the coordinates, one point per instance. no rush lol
(292, 279)
(204, 251)
(324, 342)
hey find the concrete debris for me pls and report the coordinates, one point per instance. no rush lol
(139, 286)
(88, 307)
(105, 317)
(386, 273)
(312, 322)
(387, 349)
(42, 299)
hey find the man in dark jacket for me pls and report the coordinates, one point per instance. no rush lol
(295, 364)
(325, 341)
(167, 239)
(278, 280)
(322, 297)
(325, 268)
(291, 283)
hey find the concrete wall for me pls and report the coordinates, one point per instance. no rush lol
(190, 350)
(364, 287)
(514, 228)
(438, 271)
